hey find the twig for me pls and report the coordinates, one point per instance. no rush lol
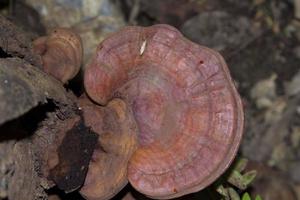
(297, 9)
(134, 12)
(12, 7)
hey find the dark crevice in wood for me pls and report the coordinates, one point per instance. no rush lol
(75, 85)
(24, 126)
(62, 195)
(3, 54)
(74, 152)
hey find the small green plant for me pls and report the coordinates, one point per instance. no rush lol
(246, 196)
(237, 180)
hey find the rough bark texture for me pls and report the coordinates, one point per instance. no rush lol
(34, 110)
(22, 173)
(17, 43)
(63, 148)
(23, 87)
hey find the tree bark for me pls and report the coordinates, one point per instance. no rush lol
(34, 111)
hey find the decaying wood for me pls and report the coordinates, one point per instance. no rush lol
(26, 92)
(16, 43)
(24, 86)
(65, 140)
(21, 179)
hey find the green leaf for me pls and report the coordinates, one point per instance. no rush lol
(233, 194)
(221, 190)
(237, 179)
(249, 176)
(246, 196)
(242, 181)
(258, 197)
(241, 164)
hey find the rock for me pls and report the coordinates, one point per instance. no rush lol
(274, 112)
(224, 33)
(297, 189)
(293, 87)
(264, 92)
(295, 136)
(297, 52)
(294, 172)
(93, 20)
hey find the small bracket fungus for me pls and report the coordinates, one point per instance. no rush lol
(117, 141)
(188, 113)
(61, 53)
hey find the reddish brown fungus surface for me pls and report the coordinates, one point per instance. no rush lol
(61, 53)
(107, 173)
(188, 113)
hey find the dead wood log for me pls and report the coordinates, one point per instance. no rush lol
(35, 111)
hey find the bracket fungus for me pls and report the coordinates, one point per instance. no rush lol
(188, 114)
(61, 53)
(116, 128)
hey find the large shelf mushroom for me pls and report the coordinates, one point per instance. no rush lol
(188, 113)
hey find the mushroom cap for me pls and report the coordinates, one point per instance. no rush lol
(188, 112)
(61, 53)
(107, 173)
